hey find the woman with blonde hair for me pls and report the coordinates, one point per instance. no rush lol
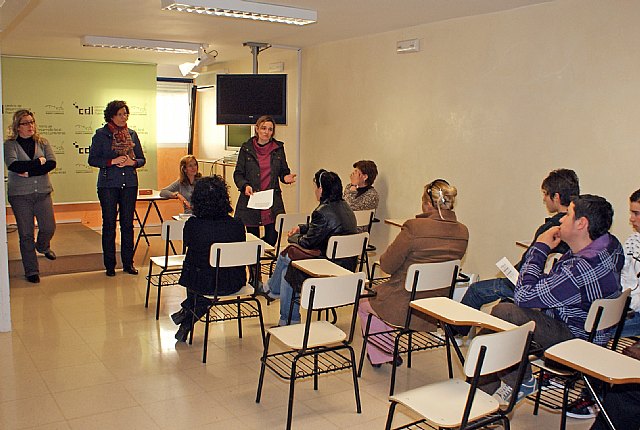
(182, 188)
(29, 159)
(433, 236)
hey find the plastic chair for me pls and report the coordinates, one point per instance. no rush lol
(317, 347)
(404, 340)
(284, 223)
(239, 305)
(459, 404)
(343, 247)
(559, 390)
(170, 265)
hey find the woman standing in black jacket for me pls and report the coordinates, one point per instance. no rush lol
(210, 224)
(116, 150)
(332, 217)
(261, 164)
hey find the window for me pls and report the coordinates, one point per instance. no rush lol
(173, 106)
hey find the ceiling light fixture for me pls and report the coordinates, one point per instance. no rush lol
(141, 44)
(244, 9)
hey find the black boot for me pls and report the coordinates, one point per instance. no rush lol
(179, 317)
(183, 332)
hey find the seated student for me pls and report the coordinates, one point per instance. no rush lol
(359, 193)
(332, 217)
(558, 188)
(182, 188)
(433, 236)
(210, 224)
(559, 301)
(631, 270)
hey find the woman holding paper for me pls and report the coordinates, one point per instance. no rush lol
(261, 166)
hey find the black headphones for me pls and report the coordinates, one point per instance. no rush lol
(430, 191)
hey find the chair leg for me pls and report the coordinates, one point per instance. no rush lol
(334, 316)
(365, 339)
(565, 404)
(259, 306)
(394, 366)
(146, 300)
(158, 299)
(356, 388)
(263, 366)
(392, 409)
(536, 404)
(506, 424)
(409, 346)
(206, 336)
(315, 372)
(238, 308)
(291, 392)
(193, 320)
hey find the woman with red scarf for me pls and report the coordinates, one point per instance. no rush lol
(116, 150)
(261, 166)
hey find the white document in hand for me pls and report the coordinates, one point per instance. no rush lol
(509, 271)
(261, 200)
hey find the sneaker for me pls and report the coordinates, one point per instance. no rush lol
(504, 392)
(582, 410)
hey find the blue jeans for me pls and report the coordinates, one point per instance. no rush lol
(632, 326)
(279, 287)
(483, 292)
(114, 202)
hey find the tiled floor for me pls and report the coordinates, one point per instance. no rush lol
(85, 354)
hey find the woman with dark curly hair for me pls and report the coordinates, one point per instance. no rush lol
(116, 150)
(210, 224)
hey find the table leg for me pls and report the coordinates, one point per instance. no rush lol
(451, 341)
(142, 224)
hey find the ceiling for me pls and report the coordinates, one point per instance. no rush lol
(54, 28)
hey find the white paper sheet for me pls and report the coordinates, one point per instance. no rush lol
(261, 200)
(507, 268)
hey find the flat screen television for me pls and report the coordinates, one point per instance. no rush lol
(243, 98)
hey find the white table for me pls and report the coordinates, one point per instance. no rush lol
(598, 362)
(320, 268)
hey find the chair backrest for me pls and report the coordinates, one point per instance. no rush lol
(331, 292)
(431, 276)
(503, 349)
(285, 222)
(172, 229)
(611, 314)
(350, 245)
(364, 218)
(551, 260)
(231, 254)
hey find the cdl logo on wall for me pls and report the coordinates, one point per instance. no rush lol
(87, 110)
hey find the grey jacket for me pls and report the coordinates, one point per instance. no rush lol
(18, 185)
(100, 155)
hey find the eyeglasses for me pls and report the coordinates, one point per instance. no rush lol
(28, 123)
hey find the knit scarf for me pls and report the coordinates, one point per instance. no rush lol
(122, 143)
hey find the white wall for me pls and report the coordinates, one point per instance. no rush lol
(492, 103)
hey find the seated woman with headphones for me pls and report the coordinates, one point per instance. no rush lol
(182, 188)
(332, 217)
(432, 236)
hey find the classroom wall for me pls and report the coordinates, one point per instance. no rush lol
(492, 103)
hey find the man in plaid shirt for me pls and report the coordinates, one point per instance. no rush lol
(559, 301)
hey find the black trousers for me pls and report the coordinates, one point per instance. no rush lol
(622, 403)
